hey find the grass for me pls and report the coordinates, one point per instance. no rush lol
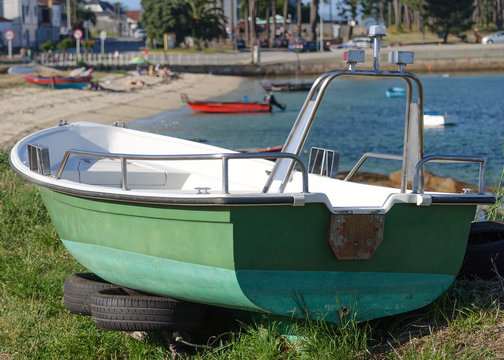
(496, 211)
(33, 266)
(467, 322)
(8, 81)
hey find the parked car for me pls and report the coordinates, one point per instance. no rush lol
(140, 34)
(358, 42)
(497, 37)
(240, 43)
(315, 45)
(280, 42)
(297, 44)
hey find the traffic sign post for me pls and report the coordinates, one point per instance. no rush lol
(9, 36)
(103, 36)
(77, 34)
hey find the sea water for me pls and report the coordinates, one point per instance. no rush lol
(356, 117)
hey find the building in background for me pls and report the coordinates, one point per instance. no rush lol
(5, 24)
(110, 18)
(133, 20)
(50, 20)
(23, 15)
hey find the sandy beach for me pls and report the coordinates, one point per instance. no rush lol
(27, 109)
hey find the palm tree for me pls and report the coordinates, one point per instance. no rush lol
(206, 21)
(285, 2)
(299, 17)
(273, 33)
(314, 5)
(253, 26)
(268, 28)
(231, 20)
(247, 23)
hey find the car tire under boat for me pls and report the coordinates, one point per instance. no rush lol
(484, 255)
(124, 309)
(77, 291)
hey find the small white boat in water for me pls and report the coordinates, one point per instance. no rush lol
(434, 118)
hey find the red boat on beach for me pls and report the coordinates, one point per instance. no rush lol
(232, 106)
(61, 82)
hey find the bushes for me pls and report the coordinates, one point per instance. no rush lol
(65, 44)
(47, 46)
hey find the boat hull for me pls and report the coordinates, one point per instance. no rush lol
(287, 86)
(229, 107)
(60, 82)
(226, 255)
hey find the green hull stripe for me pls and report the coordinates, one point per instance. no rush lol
(158, 232)
(324, 293)
(285, 293)
(184, 281)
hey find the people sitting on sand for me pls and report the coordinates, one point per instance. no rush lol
(93, 86)
(141, 71)
(136, 82)
(166, 73)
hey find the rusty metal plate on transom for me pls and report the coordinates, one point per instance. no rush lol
(355, 236)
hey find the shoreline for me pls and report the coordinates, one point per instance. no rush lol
(28, 109)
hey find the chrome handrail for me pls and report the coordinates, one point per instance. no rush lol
(418, 186)
(225, 157)
(370, 155)
(319, 88)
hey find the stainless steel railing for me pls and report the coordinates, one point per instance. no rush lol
(224, 157)
(418, 185)
(370, 155)
(418, 181)
(300, 130)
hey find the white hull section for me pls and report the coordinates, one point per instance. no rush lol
(169, 180)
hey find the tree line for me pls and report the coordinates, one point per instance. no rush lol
(204, 20)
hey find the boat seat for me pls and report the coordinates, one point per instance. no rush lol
(108, 172)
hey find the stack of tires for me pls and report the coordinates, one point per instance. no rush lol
(484, 257)
(118, 308)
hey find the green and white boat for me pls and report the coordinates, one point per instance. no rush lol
(205, 224)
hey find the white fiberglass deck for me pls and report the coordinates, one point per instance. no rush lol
(177, 177)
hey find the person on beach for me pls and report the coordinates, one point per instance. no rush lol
(22, 52)
(477, 35)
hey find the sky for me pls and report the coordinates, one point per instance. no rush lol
(135, 5)
(131, 4)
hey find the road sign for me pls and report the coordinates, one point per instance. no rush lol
(77, 34)
(9, 35)
(103, 34)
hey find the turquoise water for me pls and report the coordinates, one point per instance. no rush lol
(356, 117)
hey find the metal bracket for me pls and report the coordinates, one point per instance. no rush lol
(355, 236)
(352, 57)
(38, 159)
(323, 162)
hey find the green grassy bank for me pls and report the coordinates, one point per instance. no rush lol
(465, 323)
